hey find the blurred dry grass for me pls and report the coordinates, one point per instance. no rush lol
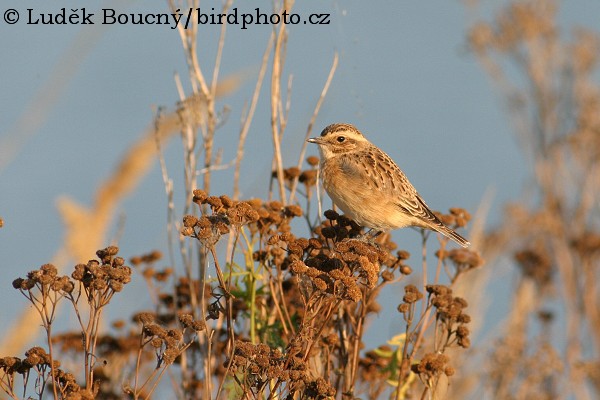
(86, 228)
(550, 338)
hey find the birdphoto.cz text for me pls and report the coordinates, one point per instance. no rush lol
(180, 17)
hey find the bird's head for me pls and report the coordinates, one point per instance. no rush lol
(339, 139)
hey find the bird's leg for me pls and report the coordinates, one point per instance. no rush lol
(374, 235)
(363, 236)
(370, 235)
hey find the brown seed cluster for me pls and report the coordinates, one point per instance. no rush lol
(411, 296)
(333, 263)
(536, 265)
(400, 262)
(146, 262)
(96, 282)
(67, 384)
(36, 357)
(323, 282)
(431, 366)
(37, 361)
(338, 227)
(110, 273)
(169, 343)
(374, 365)
(187, 321)
(149, 258)
(45, 279)
(319, 389)
(264, 218)
(463, 260)
(450, 314)
(342, 271)
(307, 177)
(260, 364)
(336, 264)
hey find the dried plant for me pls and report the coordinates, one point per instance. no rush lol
(258, 298)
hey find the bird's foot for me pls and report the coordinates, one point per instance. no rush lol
(369, 236)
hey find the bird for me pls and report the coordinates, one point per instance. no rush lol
(368, 186)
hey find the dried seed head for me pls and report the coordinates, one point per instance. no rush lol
(145, 318)
(329, 232)
(199, 196)
(354, 293)
(331, 215)
(536, 265)
(315, 243)
(204, 222)
(438, 290)
(189, 221)
(198, 326)
(464, 318)
(411, 294)
(298, 267)
(462, 331)
(405, 269)
(215, 203)
(18, 283)
(255, 203)
(320, 284)
(275, 205)
(49, 269)
(308, 177)
(403, 308)
(431, 365)
(464, 342)
(291, 173)
(313, 161)
(387, 276)
(293, 211)
(226, 201)
(252, 215)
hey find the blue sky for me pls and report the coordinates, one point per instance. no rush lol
(405, 78)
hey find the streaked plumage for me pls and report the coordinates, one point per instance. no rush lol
(369, 187)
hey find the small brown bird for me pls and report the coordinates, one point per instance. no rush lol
(369, 187)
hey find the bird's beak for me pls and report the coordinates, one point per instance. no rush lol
(316, 140)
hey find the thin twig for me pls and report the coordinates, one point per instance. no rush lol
(248, 118)
(312, 122)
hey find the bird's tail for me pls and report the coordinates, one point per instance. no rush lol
(429, 220)
(451, 234)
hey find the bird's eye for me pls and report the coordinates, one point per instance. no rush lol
(341, 139)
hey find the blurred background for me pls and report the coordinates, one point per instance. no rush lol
(75, 98)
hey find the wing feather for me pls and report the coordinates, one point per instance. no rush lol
(374, 169)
